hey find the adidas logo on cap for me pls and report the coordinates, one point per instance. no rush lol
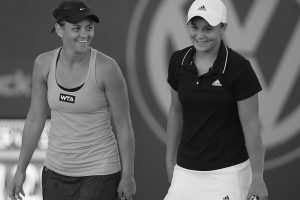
(226, 198)
(202, 8)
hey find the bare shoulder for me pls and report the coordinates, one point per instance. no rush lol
(43, 62)
(105, 63)
(107, 69)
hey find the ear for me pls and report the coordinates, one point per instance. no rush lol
(59, 30)
(188, 26)
(223, 28)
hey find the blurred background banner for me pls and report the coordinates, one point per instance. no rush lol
(141, 35)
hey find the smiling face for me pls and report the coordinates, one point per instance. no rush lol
(205, 37)
(76, 37)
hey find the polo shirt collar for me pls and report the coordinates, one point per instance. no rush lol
(220, 63)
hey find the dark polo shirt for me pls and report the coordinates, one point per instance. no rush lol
(212, 136)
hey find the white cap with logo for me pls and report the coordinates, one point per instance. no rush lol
(213, 11)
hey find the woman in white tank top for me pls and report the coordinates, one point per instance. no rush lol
(83, 88)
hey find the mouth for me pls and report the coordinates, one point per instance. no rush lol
(82, 41)
(201, 42)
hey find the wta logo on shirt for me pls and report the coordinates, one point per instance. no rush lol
(67, 98)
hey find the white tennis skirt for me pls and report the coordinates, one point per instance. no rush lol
(230, 183)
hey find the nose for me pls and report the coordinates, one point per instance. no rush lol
(83, 33)
(199, 35)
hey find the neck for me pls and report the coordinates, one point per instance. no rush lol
(71, 57)
(205, 59)
(208, 55)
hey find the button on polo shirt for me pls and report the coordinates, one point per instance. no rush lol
(212, 135)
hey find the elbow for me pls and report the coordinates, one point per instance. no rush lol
(34, 118)
(251, 123)
(254, 140)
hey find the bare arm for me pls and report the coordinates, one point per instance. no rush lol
(248, 112)
(174, 129)
(33, 128)
(117, 95)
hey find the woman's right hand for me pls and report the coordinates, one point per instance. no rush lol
(16, 186)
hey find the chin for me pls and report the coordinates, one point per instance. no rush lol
(202, 48)
(82, 49)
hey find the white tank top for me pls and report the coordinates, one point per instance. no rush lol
(81, 141)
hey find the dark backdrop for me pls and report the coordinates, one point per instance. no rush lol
(123, 33)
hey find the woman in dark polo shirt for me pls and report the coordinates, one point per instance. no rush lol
(214, 144)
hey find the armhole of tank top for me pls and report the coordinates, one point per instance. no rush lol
(53, 63)
(93, 63)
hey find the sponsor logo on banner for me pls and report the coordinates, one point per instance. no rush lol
(10, 144)
(15, 85)
(157, 28)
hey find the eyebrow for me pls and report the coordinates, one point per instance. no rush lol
(193, 24)
(206, 26)
(80, 24)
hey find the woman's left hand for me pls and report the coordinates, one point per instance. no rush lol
(127, 188)
(258, 188)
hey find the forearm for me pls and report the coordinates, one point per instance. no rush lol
(248, 113)
(174, 129)
(31, 135)
(255, 148)
(126, 142)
